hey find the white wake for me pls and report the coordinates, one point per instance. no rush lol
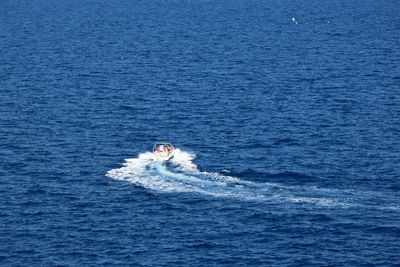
(181, 175)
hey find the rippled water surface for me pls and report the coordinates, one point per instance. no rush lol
(285, 116)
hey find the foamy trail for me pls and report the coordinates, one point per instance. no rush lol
(181, 174)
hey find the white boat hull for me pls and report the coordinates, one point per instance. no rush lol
(162, 156)
(163, 151)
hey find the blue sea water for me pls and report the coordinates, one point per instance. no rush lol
(286, 133)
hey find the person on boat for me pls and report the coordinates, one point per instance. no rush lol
(160, 148)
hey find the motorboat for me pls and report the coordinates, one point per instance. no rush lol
(163, 151)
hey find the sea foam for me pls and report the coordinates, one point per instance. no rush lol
(181, 174)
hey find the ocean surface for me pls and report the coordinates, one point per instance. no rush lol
(285, 116)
